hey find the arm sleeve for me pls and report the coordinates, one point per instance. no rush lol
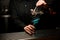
(15, 17)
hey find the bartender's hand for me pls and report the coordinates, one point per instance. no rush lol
(40, 2)
(30, 29)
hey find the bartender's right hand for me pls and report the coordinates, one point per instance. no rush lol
(30, 29)
(40, 2)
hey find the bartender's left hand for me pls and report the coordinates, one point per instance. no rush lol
(30, 29)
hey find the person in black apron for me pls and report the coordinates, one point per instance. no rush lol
(23, 19)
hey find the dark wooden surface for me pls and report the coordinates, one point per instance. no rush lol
(39, 35)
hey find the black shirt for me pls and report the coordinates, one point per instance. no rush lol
(21, 15)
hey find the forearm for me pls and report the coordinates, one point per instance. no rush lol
(19, 23)
(14, 14)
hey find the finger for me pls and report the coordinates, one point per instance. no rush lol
(31, 29)
(32, 26)
(27, 30)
